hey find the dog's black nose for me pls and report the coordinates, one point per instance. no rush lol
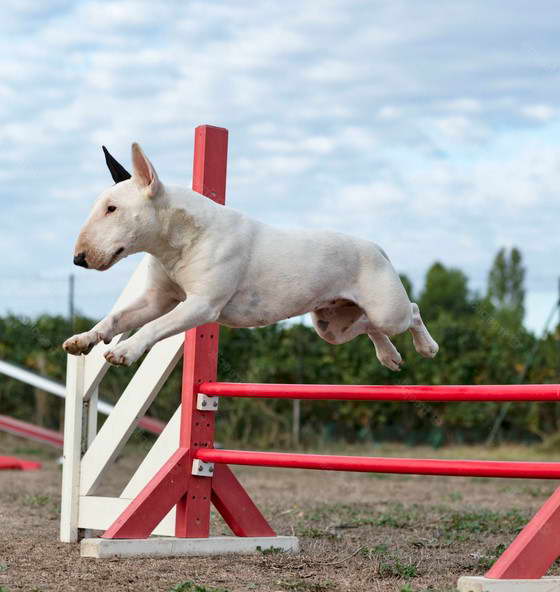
(80, 259)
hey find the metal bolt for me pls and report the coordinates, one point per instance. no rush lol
(200, 468)
(204, 403)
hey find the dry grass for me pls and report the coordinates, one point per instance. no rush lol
(359, 532)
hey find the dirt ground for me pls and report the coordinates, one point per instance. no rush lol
(358, 531)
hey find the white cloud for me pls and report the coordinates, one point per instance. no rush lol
(318, 144)
(460, 128)
(341, 114)
(335, 71)
(466, 105)
(364, 200)
(388, 112)
(357, 138)
(542, 113)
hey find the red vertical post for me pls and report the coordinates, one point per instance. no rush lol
(201, 347)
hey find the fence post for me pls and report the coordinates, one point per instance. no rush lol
(200, 361)
(73, 418)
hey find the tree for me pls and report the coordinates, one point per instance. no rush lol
(445, 290)
(506, 279)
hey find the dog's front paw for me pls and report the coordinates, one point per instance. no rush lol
(82, 343)
(123, 355)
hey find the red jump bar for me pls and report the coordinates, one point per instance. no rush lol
(411, 393)
(460, 468)
(30, 431)
(150, 424)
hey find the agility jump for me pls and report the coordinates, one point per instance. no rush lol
(183, 474)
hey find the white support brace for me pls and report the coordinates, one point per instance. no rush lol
(206, 402)
(161, 450)
(132, 405)
(175, 547)
(98, 513)
(482, 584)
(202, 469)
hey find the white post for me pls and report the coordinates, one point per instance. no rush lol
(91, 407)
(72, 449)
(90, 423)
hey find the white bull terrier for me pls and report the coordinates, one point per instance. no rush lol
(210, 263)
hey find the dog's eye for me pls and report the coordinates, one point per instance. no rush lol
(111, 208)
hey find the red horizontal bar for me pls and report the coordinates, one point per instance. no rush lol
(365, 464)
(411, 393)
(17, 427)
(150, 424)
(30, 431)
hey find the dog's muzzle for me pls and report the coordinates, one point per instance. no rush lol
(80, 259)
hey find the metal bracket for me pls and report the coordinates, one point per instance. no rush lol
(206, 403)
(202, 469)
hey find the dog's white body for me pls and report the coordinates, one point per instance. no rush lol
(212, 263)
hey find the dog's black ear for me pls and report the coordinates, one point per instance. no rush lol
(118, 172)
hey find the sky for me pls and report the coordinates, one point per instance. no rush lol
(432, 128)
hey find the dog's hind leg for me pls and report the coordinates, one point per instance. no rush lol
(386, 318)
(423, 342)
(385, 351)
(340, 324)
